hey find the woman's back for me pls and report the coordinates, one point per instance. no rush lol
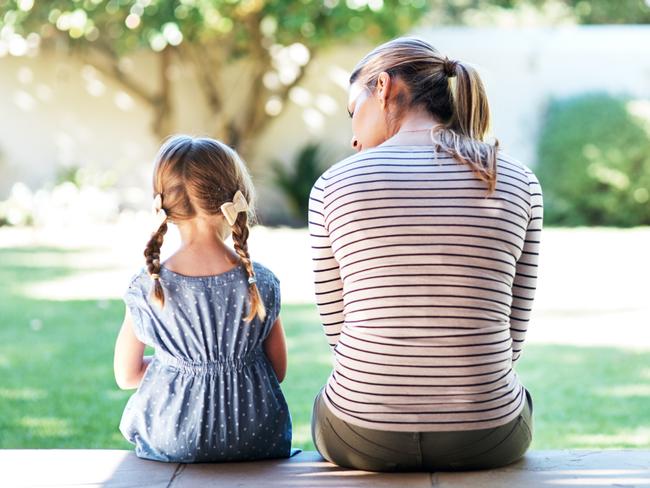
(210, 393)
(415, 271)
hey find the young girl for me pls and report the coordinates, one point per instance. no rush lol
(211, 391)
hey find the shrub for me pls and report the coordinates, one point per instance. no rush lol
(594, 161)
(296, 181)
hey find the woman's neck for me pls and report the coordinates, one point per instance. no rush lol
(414, 130)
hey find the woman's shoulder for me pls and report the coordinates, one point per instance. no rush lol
(367, 156)
(513, 164)
(345, 163)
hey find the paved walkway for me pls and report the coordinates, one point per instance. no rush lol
(114, 468)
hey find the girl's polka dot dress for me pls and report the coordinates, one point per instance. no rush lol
(210, 394)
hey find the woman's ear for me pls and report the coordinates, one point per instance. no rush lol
(383, 88)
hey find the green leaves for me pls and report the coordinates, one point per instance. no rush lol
(159, 23)
(276, 38)
(296, 182)
(594, 161)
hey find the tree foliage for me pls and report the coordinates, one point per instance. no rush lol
(274, 39)
(581, 11)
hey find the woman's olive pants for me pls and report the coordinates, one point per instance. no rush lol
(374, 450)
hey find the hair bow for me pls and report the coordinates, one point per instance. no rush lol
(160, 216)
(231, 209)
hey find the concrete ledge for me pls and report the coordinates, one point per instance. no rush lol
(115, 468)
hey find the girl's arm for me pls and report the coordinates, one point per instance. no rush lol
(129, 364)
(275, 347)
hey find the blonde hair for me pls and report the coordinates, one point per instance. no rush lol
(461, 106)
(198, 175)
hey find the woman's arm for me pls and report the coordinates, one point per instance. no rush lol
(275, 347)
(129, 364)
(525, 282)
(328, 285)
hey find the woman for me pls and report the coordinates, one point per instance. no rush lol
(425, 247)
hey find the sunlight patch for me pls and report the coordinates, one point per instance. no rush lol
(104, 285)
(624, 391)
(46, 426)
(22, 394)
(638, 438)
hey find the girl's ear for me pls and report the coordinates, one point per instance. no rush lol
(384, 85)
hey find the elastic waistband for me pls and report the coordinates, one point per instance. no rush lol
(208, 366)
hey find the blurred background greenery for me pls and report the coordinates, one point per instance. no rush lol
(92, 86)
(237, 70)
(594, 161)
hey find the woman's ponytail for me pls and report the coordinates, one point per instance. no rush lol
(463, 136)
(471, 114)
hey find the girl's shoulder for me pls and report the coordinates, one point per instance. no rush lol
(140, 279)
(264, 275)
(268, 285)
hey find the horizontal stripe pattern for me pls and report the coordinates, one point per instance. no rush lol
(425, 286)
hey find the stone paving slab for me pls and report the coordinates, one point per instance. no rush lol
(306, 469)
(568, 468)
(44, 468)
(49, 468)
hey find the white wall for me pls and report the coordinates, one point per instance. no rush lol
(522, 68)
(54, 111)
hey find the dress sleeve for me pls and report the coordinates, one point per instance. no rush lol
(525, 282)
(328, 285)
(273, 304)
(136, 301)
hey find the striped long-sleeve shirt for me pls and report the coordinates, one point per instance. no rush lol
(425, 285)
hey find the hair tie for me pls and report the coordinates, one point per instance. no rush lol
(449, 67)
(155, 276)
(252, 280)
(160, 216)
(231, 209)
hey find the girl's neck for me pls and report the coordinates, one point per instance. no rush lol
(203, 250)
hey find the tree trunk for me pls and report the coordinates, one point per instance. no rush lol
(238, 130)
(163, 122)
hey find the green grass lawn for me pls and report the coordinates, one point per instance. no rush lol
(57, 388)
